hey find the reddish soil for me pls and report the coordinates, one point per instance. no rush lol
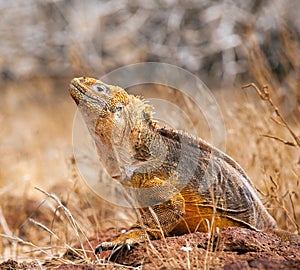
(232, 248)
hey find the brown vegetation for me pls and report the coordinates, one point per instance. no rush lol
(62, 214)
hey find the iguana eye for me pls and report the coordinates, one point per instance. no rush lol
(100, 88)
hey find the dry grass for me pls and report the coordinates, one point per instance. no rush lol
(286, 201)
(44, 224)
(36, 151)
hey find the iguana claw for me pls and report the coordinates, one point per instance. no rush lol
(110, 245)
(98, 249)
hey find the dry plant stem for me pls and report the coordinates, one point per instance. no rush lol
(23, 242)
(265, 95)
(188, 256)
(280, 139)
(294, 214)
(43, 227)
(273, 194)
(4, 224)
(67, 212)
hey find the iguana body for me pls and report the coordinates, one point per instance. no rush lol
(182, 184)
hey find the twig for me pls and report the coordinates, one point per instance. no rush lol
(294, 214)
(265, 95)
(279, 139)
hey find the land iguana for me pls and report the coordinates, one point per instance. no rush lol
(181, 183)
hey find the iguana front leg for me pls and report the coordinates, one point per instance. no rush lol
(154, 220)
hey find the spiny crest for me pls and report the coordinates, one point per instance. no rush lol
(138, 110)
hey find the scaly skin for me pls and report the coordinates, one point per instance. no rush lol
(180, 183)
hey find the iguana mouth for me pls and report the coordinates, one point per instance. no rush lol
(79, 90)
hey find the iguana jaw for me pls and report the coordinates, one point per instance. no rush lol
(95, 97)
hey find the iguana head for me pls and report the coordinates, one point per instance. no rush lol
(110, 114)
(97, 98)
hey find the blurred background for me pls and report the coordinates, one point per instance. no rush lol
(43, 44)
(209, 38)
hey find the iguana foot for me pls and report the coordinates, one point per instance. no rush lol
(124, 242)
